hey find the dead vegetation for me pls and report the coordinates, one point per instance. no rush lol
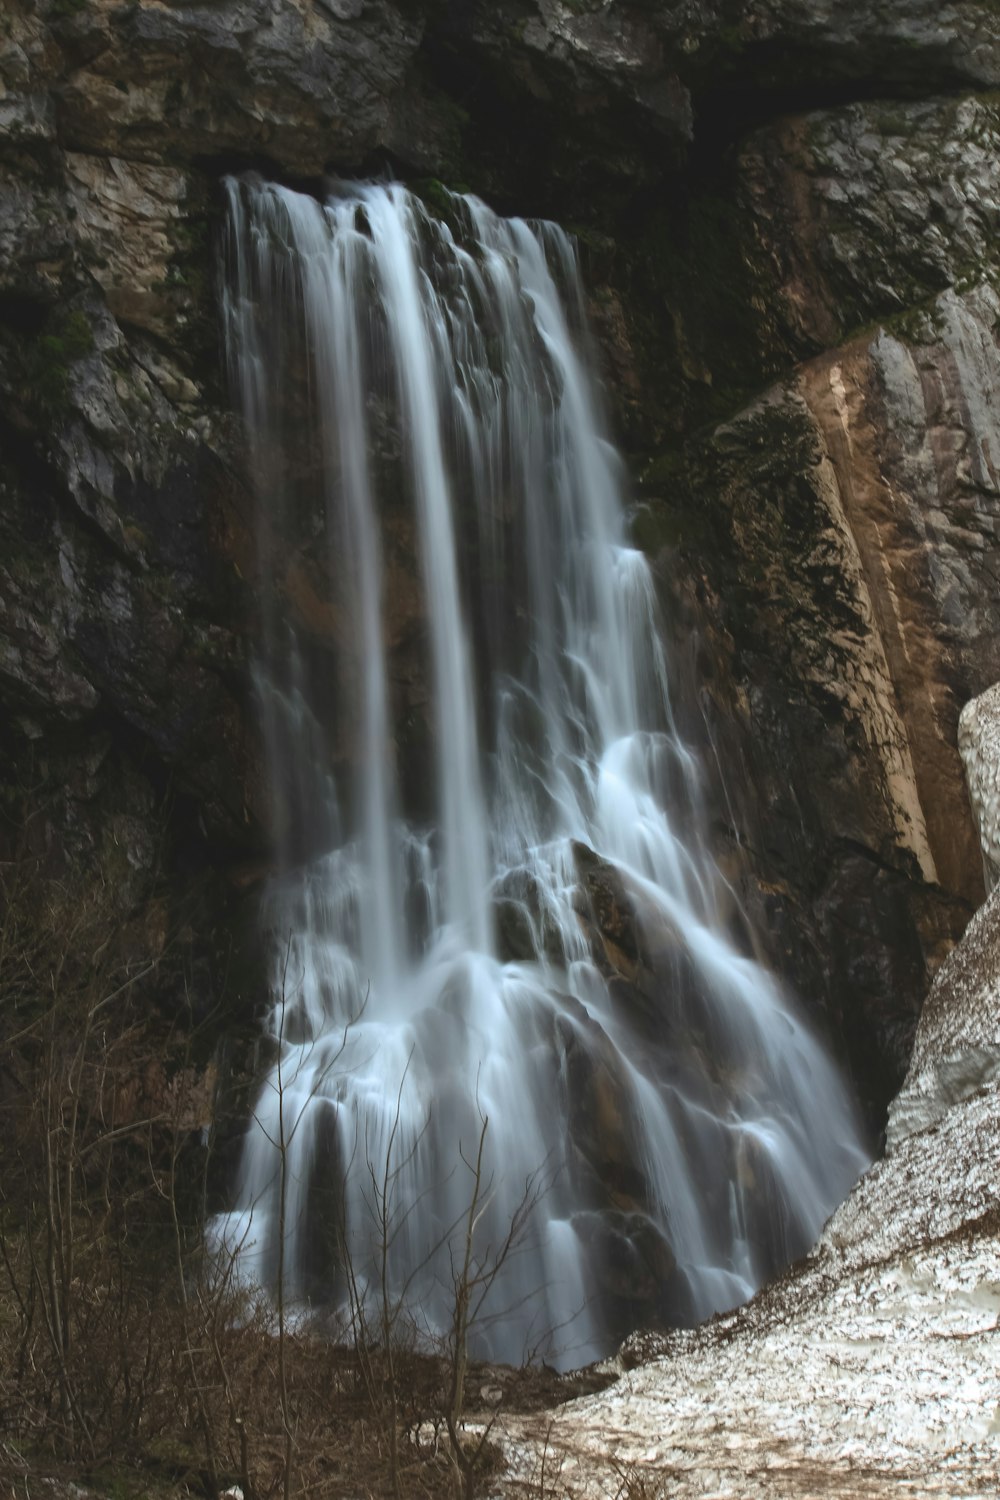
(132, 1361)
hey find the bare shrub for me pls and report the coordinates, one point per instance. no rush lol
(125, 1347)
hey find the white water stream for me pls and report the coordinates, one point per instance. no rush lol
(439, 964)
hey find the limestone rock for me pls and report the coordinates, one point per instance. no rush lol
(305, 83)
(125, 215)
(894, 44)
(845, 522)
(633, 75)
(850, 787)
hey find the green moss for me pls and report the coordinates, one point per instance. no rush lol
(701, 303)
(671, 511)
(437, 198)
(77, 336)
(188, 286)
(190, 267)
(728, 42)
(135, 539)
(669, 522)
(665, 471)
(718, 293)
(191, 235)
(921, 323)
(767, 530)
(48, 358)
(917, 325)
(442, 201)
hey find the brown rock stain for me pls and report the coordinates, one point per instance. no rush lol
(895, 558)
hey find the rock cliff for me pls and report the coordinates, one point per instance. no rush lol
(788, 216)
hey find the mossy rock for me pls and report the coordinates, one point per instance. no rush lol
(46, 360)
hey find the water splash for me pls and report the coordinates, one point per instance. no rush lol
(523, 924)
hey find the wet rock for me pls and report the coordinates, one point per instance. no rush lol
(600, 1105)
(838, 535)
(634, 1267)
(516, 941)
(631, 939)
(606, 69)
(608, 907)
(525, 928)
(639, 79)
(841, 529)
(847, 667)
(957, 1049)
(869, 210)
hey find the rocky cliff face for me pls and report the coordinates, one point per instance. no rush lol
(798, 311)
(851, 512)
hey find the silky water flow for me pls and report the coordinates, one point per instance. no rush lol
(659, 1128)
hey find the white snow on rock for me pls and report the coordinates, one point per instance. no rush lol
(957, 1047)
(979, 746)
(872, 1368)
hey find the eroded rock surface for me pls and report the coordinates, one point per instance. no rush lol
(844, 529)
(957, 1049)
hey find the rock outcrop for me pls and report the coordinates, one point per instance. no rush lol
(788, 214)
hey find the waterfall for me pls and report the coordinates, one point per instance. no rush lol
(496, 925)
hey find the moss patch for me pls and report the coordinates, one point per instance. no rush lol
(698, 299)
(47, 359)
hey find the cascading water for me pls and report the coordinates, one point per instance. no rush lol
(513, 918)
